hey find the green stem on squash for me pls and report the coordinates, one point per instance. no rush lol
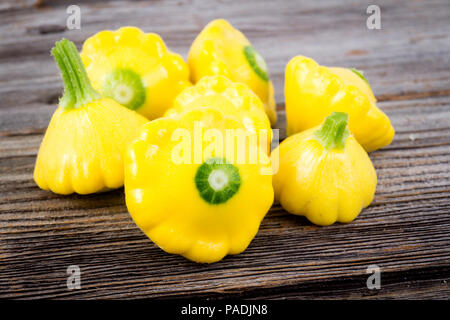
(333, 133)
(77, 87)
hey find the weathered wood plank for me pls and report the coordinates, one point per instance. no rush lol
(413, 285)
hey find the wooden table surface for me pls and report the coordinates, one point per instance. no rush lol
(405, 231)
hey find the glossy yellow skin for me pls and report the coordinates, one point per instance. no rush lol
(82, 150)
(312, 92)
(218, 49)
(325, 186)
(232, 99)
(164, 73)
(162, 198)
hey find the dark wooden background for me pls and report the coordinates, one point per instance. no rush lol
(406, 230)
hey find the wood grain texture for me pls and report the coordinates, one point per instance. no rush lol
(406, 230)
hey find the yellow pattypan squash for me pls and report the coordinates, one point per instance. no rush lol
(232, 99)
(83, 147)
(135, 69)
(222, 49)
(324, 173)
(191, 199)
(312, 92)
